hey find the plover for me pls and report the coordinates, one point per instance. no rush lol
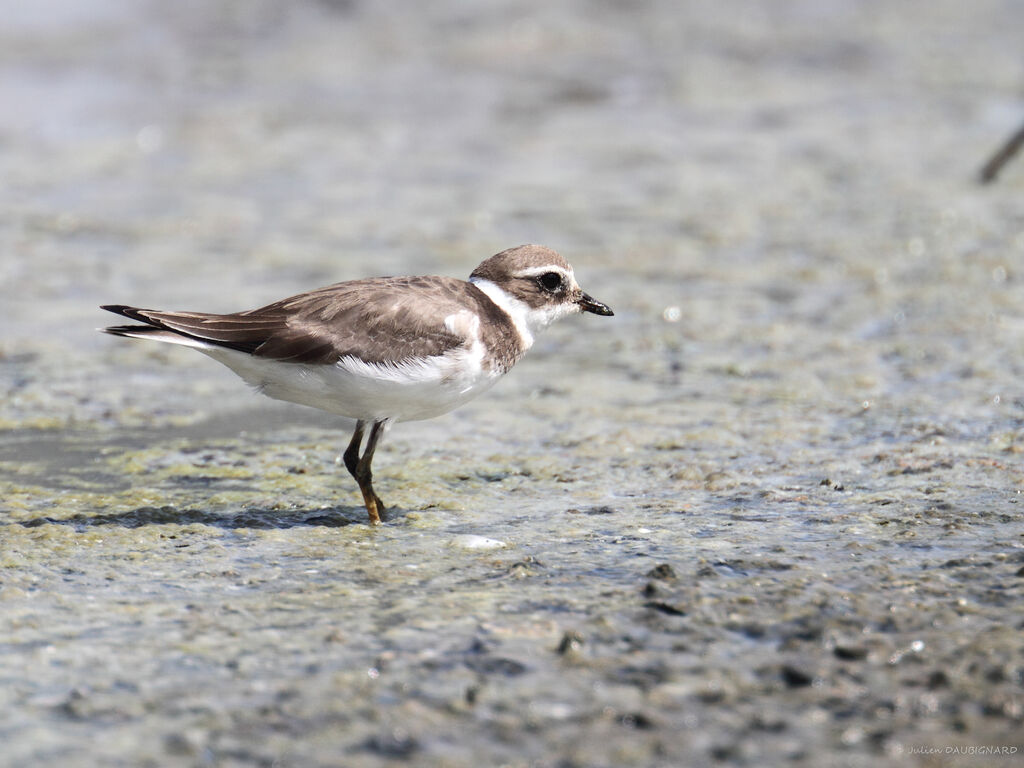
(383, 349)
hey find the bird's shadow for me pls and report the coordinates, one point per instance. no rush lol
(252, 518)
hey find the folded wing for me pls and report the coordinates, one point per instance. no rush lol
(380, 320)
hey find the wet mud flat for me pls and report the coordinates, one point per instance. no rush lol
(768, 514)
(624, 600)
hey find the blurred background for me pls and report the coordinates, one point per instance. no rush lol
(816, 353)
(215, 154)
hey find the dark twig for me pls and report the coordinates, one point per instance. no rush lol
(1002, 157)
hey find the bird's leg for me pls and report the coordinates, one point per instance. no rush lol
(364, 475)
(351, 457)
(351, 454)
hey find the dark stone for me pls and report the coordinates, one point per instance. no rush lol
(493, 477)
(752, 629)
(570, 643)
(805, 628)
(636, 720)
(395, 744)
(496, 665)
(664, 572)
(642, 677)
(663, 607)
(795, 678)
(767, 724)
(850, 653)
(995, 674)
(725, 752)
(956, 562)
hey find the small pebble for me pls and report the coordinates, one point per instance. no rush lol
(570, 644)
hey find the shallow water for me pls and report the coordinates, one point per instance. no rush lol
(768, 513)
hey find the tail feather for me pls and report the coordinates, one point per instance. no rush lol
(155, 334)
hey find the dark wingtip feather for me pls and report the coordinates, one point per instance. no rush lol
(124, 310)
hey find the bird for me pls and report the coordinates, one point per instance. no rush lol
(382, 350)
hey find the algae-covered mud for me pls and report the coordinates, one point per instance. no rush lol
(768, 514)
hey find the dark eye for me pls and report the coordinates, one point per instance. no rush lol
(551, 281)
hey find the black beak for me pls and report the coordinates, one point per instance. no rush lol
(590, 304)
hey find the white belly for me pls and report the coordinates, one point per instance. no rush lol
(407, 391)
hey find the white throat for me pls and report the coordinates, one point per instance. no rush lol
(513, 307)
